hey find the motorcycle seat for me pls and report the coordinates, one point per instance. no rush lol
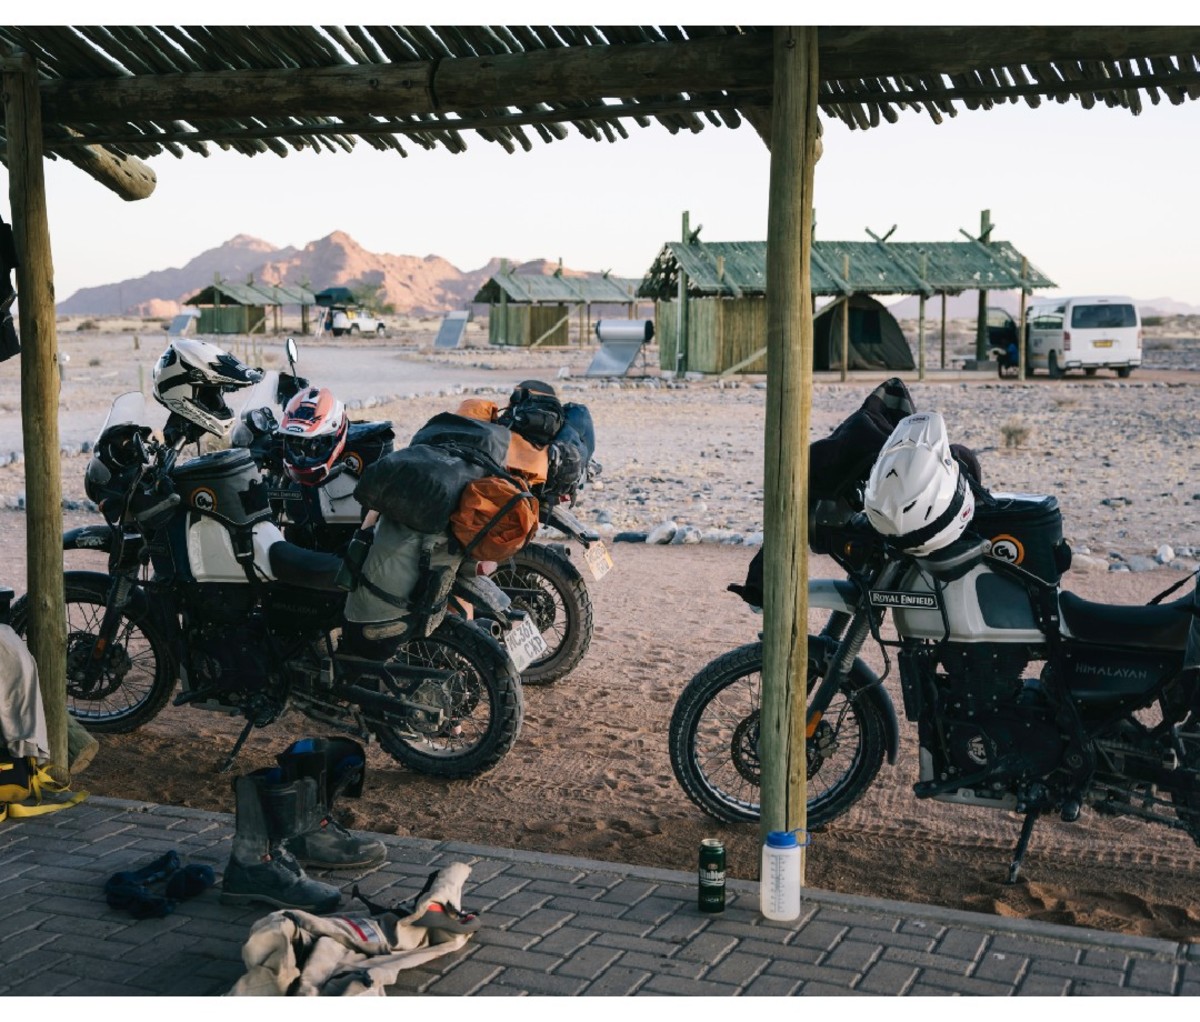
(309, 569)
(1150, 626)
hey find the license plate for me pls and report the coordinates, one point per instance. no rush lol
(1102, 344)
(525, 644)
(598, 559)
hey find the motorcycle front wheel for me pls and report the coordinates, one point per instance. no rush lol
(479, 693)
(543, 582)
(137, 673)
(714, 734)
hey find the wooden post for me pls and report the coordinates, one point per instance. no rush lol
(981, 338)
(1021, 321)
(502, 331)
(846, 322)
(47, 634)
(921, 321)
(681, 320)
(943, 329)
(788, 417)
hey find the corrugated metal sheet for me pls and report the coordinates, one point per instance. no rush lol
(540, 287)
(737, 268)
(252, 294)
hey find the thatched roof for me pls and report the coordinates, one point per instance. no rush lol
(252, 293)
(737, 268)
(558, 288)
(141, 91)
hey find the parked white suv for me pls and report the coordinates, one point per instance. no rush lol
(1088, 333)
(341, 320)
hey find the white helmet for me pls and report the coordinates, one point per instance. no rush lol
(191, 378)
(917, 491)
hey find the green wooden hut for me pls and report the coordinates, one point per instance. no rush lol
(718, 289)
(227, 308)
(529, 309)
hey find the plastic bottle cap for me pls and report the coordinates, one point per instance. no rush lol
(782, 839)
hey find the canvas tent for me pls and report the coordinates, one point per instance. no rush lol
(876, 340)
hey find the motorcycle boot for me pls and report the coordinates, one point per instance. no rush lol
(260, 869)
(338, 766)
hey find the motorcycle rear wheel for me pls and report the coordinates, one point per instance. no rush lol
(713, 743)
(484, 694)
(544, 582)
(138, 674)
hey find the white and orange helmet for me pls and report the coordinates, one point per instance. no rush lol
(313, 428)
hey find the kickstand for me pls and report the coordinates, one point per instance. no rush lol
(237, 746)
(1022, 845)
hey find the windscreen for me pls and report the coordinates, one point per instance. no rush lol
(126, 408)
(1102, 317)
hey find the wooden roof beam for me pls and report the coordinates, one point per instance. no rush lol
(128, 176)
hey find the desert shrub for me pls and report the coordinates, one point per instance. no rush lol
(93, 361)
(88, 324)
(1015, 432)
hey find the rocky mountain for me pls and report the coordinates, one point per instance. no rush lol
(413, 285)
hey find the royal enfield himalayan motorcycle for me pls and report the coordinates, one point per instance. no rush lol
(541, 580)
(202, 588)
(1025, 697)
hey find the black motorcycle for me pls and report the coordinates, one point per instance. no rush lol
(1025, 697)
(541, 579)
(202, 588)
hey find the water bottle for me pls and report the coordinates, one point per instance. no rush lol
(779, 879)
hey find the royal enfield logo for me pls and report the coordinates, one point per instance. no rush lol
(1007, 548)
(886, 598)
(204, 499)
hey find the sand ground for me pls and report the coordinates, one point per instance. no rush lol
(590, 774)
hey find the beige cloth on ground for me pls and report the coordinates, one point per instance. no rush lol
(298, 954)
(22, 716)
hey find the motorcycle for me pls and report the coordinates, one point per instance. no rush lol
(541, 579)
(202, 587)
(1025, 696)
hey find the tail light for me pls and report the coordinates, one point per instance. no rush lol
(486, 567)
(1066, 340)
(1139, 344)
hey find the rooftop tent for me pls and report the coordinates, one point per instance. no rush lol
(876, 340)
(334, 296)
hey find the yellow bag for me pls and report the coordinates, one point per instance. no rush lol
(22, 780)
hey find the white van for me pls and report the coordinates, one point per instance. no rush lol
(1088, 333)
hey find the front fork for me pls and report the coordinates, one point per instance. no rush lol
(119, 592)
(850, 631)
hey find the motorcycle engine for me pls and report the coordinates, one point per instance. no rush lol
(227, 662)
(994, 722)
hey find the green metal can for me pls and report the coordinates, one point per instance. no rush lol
(711, 892)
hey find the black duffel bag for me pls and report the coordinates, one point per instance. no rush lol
(418, 487)
(462, 433)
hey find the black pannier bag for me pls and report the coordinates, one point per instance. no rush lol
(1025, 530)
(366, 443)
(448, 430)
(418, 487)
(571, 450)
(534, 412)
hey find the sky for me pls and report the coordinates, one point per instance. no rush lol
(1100, 200)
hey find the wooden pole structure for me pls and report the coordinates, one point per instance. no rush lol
(921, 321)
(1021, 320)
(681, 324)
(47, 634)
(943, 329)
(981, 339)
(788, 416)
(846, 323)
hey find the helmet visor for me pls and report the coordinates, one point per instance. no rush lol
(309, 452)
